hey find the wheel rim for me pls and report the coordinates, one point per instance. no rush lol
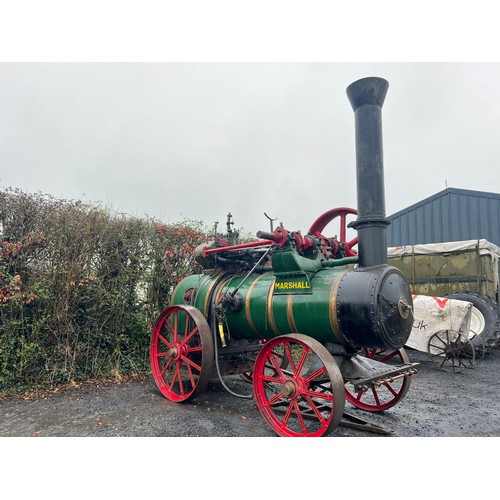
(451, 352)
(181, 353)
(479, 346)
(485, 317)
(298, 387)
(322, 221)
(376, 399)
(477, 322)
(476, 327)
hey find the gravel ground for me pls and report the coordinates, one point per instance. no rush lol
(438, 404)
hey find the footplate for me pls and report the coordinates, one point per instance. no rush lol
(402, 371)
(363, 372)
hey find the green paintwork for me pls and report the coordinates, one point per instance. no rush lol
(265, 314)
(288, 260)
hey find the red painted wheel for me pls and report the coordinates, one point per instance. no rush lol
(321, 222)
(376, 399)
(302, 396)
(181, 353)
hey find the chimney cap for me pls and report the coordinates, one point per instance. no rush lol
(371, 90)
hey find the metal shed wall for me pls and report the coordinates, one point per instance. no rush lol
(450, 215)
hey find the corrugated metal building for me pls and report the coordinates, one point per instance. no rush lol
(450, 215)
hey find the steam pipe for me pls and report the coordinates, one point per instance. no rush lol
(241, 246)
(367, 97)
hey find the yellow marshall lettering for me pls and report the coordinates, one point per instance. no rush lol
(291, 285)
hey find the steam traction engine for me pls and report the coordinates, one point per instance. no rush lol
(308, 320)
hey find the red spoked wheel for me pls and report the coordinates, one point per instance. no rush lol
(321, 222)
(386, 395)
(298, 387)
(181, 353)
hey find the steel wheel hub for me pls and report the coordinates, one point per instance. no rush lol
(177, 351)
(293, 388)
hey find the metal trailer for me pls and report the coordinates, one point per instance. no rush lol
(461, 270)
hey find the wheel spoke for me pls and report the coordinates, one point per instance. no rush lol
(176, 326)
(389, 356)
(360, 394)
(181, 382)
(171, 328)
(175, 375)
(319, 395)
(302, 360)
(187, 337)
(164, 340)
(275, 364)
(288, 356)
(375, 396)
(275, 399)
(190, 363)
(342, 226)
(352, 243)
(390, 389)
(287, 415)
(296, 409)
(316, 374)
(273, 379)
(191, 375)
(443, 343)
(167, 365)
(315, 410)
(161, 354)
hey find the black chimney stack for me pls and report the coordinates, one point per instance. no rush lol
(367, 97)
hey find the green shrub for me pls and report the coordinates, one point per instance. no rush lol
(80, 288)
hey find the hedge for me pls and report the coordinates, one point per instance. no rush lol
(80, 288)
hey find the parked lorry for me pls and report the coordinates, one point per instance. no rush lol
(462, 270)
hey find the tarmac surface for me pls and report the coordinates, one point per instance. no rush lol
(236, 454)
(438, 404)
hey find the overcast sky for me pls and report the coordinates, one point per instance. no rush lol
(197, 140)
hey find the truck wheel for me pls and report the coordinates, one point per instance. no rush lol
(485, 320)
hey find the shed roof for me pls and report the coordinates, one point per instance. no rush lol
(450, 215)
